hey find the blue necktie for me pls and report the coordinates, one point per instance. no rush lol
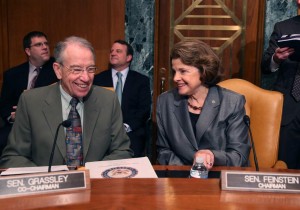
(74, 137)
(119, 87)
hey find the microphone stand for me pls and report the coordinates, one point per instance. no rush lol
(247, 121)
(66, 123)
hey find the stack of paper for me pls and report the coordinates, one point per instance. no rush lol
(291, 41)
(124, 168)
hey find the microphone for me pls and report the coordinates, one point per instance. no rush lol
(66, 124)
(247, 122)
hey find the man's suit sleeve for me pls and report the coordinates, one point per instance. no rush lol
(267, 56)
(18, 149)
(119, 147)
(6, 96)
(142, 113)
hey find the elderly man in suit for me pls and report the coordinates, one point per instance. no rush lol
(134, 94)
(36, 72)
(96, 132)
(284, 62)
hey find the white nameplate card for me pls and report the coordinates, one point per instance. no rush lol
(260, 181)
(44, 183)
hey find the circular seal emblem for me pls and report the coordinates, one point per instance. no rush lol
(120, 172)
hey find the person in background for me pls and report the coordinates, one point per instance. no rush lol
(96, 132)
(280, 60)
(37, 71)
(134, 95)
(198, 118)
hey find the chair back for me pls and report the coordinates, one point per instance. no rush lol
(108, 88)
(264, 107)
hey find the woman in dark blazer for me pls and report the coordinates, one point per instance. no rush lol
(199, 118)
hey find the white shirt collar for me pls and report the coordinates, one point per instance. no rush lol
(124, 72)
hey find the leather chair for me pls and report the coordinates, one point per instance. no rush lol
(264, 107)
(108, 88)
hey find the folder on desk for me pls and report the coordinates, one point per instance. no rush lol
(291, 41)
(123, 168)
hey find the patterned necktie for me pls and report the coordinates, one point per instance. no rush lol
(74, 137)
(296, 86)
(32, 85)
(119, 87)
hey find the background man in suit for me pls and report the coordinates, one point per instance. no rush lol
(135, 97)
(41, 110)
(25, 76)
(279, 60)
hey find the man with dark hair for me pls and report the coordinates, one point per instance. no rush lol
(36, 72)
(133, 90)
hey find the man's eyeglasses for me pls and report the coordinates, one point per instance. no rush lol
(40, 44)
(80, 70)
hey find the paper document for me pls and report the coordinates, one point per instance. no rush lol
(31, 170)
(124, 168)
(291, 41)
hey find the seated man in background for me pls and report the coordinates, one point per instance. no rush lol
(96, 132)
(133, 90)
(36, 72)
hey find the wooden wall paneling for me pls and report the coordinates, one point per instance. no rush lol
(100, 22)
(162, 49)
(254, 40)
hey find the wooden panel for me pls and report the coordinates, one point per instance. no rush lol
(100, 22)
(235, 33)
(254, 40)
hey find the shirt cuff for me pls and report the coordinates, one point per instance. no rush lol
(127, 128)
(273, 65)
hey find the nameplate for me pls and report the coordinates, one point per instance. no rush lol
(260, 181)
(20, 185)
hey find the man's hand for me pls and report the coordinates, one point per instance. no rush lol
(282, 54)
(13, 114)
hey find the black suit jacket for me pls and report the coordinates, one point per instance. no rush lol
(15, 81)
(136, 101)
(287, 69)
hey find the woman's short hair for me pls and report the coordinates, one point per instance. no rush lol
(198, 54)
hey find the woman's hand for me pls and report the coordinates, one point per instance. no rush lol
(207, 156)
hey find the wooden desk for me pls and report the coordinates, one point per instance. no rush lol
(161, 193)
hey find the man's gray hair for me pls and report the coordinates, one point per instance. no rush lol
(62, 45)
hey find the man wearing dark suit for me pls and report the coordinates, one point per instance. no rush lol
(22, 77)
(136, 96)
(41, 110)
(279, 60)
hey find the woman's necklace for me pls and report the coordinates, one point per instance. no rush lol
(193, 98)
(195, 107)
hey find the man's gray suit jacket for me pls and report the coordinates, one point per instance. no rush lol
(40, 112)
